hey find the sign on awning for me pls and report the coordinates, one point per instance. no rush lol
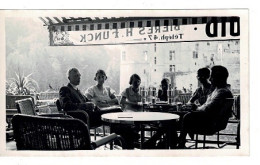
(78, 34)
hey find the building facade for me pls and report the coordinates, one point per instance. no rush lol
(179, 62)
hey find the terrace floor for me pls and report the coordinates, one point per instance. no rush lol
(231, 128)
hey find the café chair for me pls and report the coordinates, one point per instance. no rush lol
(26, 106)
(78, 114)
(221, 125)
(234, 120)
(45, 133)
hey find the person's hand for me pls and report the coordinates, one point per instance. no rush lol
(193, 107)
(190, 106)
(102, 102)
(140, 104)
(90, 105)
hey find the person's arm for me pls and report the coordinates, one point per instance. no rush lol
(216, 103)
(124, 101)
(194, 97)
(68, 105)
(114, 100)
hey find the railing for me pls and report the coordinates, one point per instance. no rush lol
(48, 95)
(183, 97)
(10, 100)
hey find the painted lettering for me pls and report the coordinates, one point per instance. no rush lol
(83, 38)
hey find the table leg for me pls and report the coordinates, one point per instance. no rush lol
(142, 136)
(171, 135)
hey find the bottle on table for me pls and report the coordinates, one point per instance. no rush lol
(143, 94)
(170, 94)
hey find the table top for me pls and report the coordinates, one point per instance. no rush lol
(163, 103)
(135, 117)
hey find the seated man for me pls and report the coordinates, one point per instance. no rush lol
(72, 99)
(162, 93)
(209, 115)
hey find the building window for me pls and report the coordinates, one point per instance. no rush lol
(195, 54)
(77, 27)
(69, 28)
(145, 56)
(144, 71)
(148, 24)
(123, 56)
(84, 27)
(140, 24)
(171, 55)
(172, 68)
(155, 60)
(208, 43)
(114, 25)
(205, 58)
(166, 22)
(157, 22)
(99, 26)
(107, 26)
(132, 24)
(122, 25)
(154, 47)
(62, 28)
(92, 27)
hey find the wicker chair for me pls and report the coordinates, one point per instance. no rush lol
(78, 114)
(45, 133)
(222, 124)
(26, 106)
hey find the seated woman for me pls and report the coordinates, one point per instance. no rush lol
(131, 99)
(102, 96)
(130, 102)
(205, 89)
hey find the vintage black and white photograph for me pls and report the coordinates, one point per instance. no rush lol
(142, 81)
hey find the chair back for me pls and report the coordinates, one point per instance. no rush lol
(25, 106)
(78, 114)
(236, 107)
(59, 105)
(44, 133)
(226, 112)
(10, 100)
(184, 97)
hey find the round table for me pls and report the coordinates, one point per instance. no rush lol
(139, 119)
